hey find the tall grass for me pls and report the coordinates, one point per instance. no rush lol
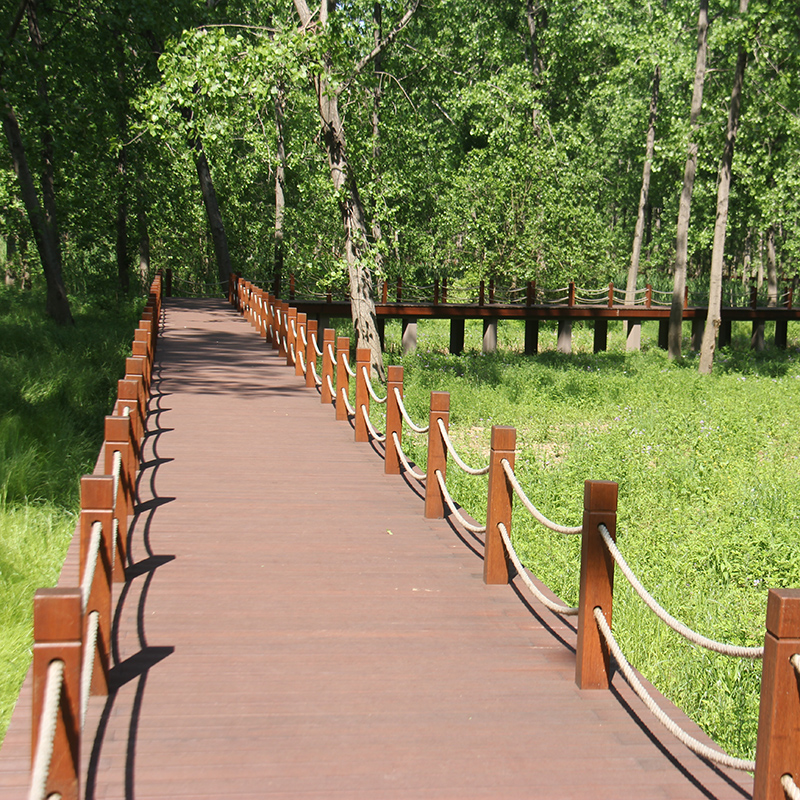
(709, 486)
(56, 385)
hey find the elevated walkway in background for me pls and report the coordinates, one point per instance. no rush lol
(294, 628)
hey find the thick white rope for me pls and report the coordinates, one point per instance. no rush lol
(409, 421)
(452, 506)
(692, 636)
(679, 733)
(557, 608)
(420, 476)
(91, 564)
(302, 361)
(795, 662)
(371, 391)
(303, 337)
(330, 353)
(314, 340)
(291, 352)
(347, 369)
(87, 669)
(520, 492)
(317, 379)
(452, 450)
(47, 729)
(350, 410)
(285, 345)
(330, 386)
(790, 787)
(372, 430)
(294, 327)
(115, 472)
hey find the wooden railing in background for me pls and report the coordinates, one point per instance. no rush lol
(69, 620)
(778, 746)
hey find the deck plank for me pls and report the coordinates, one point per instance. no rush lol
(275, 640)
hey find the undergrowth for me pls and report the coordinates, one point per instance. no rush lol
(56, 385)
(709, 487)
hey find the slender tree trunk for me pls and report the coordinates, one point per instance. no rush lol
(144, 249)
(123, 265)
(682, 237)
(638, 236)
(56, 304)
(377, 232)
(720, 226)
(772, 269)
(218, 236)
(280, 188)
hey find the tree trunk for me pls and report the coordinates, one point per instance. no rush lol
(358, 252)
(682, 240)
(633, 270)
(280, 187)
(123, 266)
(377, 232)
(720, 226)
(56, 304)
(144, 250)
(218, 236)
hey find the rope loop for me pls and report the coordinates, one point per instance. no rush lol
(537, 515)
(380, 437)
(695, 638)
(317, 379)
(330, 386)
(704, 751)
(371, 391)
(302, 361)
(115, 472)
(409, 421)
(314, 341)
(303, 337)
(330, 353)
(347, 368)
(790, 787)
(453, 508)
(420, 476)
(91, 564)
(87, 669)
(452, 450)
(556, 608)
(350, 410)
(47, 729)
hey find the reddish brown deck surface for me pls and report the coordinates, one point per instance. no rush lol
(275, 640)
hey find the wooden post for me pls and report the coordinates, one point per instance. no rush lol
(781, 333)
(571, 298)
(311, 353)
(663, 333)
(698, 324)
(648, 297)
(725, 332)
(118, 438)
(342, 378)
(291, 335)
(299, 347)
(610, 295)
(97, 492)
(437, 454)
(600, 335)
(282, 309)
(135, 368)
(531, 336)
(530, 294)
(481, 294)
(362, 395)
(130, 396)
(778, 744)
(498, 509)
(456, 336)
(597, 584)
(394, 420)
(328, 360)
(436, 291)
(385, 293)
(57, 635)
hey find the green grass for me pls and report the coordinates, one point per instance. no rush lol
(709, 487)
(56, 385)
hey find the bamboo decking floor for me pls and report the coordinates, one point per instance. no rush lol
(294, 628)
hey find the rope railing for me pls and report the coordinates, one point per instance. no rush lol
(557, 608)
(791, 789)
(368, 384)
(47, 730)
(454, 508)
(410, 422)
(535, 513)
(420, 476)
(91, 563)
(452, 450)
(87, 668)
(677, 626)
(696, 746)
(596, 644)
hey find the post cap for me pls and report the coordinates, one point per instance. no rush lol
(783, 613)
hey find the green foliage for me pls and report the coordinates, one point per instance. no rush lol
(708, 486)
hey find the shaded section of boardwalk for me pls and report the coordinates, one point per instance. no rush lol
(293, 627)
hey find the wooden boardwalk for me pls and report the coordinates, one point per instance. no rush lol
(294, 628)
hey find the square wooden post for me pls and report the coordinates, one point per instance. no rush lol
(498, 509)
(311, 353)
(57, 632)
(456, 336)
(128, 396)
(778, 744)
(437, 454)
(394, 420)
(328, 360)
(597, 584)
(291, 336)
(362, 395)
(299, 347)
(282, 309)
(118, 439)
(342, 378)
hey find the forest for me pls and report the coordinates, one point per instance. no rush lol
(537, 140)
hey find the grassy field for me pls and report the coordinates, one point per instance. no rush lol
(709, 487)
(56, 385)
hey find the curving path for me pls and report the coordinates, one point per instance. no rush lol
(294, 628)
